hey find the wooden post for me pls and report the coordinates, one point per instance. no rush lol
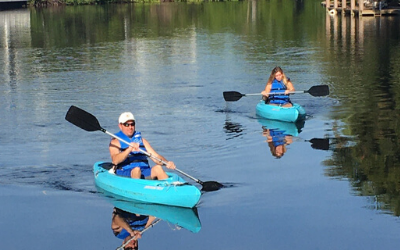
(344, 33)
(328, 28)
(352, 6)
(328, 4)
(344, 7)
(335, 4)
(335, 33)
(353, 32)
(361, 33)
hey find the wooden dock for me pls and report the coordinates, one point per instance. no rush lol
(360, 9)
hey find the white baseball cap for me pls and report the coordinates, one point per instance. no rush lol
(126, 116)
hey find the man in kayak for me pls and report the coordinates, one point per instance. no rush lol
(278, 83)
(129, 159)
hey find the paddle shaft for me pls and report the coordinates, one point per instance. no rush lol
(152, 156)
(318, 90)
(134, 237)
(289, 93)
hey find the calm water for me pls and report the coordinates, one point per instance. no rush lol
(169, 64)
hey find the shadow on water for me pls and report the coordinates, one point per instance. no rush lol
(141, 216)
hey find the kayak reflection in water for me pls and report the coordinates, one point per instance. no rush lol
(126, 225)
(277, 140)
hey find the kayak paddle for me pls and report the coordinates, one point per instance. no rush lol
(318, 90)
(320, 143)
(134, 237)
(89, 122)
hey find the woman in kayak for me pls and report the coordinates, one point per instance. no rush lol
(278, 83)
(128, 159)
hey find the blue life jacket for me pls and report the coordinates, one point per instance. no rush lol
(278, 137)
(278, 87)
(134, 159)
(135, 222)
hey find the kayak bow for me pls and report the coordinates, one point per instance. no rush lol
(285, 114)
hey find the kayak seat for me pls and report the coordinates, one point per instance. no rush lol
(107, 165)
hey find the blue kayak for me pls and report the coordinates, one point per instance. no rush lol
(289, 128)
(273, 112)
(173, 191)
(183, 217)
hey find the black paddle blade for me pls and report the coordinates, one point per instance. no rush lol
(232, 96)
(209, 186)
(320, 143)
(319, 90)
(82, 119)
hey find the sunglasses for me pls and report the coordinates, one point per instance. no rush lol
(128, 124)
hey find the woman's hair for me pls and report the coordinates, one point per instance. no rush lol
(272, 76)
(272, 148)
(271, 145)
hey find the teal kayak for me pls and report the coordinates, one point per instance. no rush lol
(273, 112)
(173, 191)
(187, 218)
(289, 128)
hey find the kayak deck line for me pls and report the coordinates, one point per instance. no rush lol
(159, 186)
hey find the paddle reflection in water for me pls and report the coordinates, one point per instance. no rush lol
(279, 134)
(320, 143)
(130, 217)
(233, 129)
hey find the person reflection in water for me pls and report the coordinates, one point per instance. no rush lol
(277, 141)
(126, 225)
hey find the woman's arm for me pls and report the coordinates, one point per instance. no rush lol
(289, 87)
(267, 89)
